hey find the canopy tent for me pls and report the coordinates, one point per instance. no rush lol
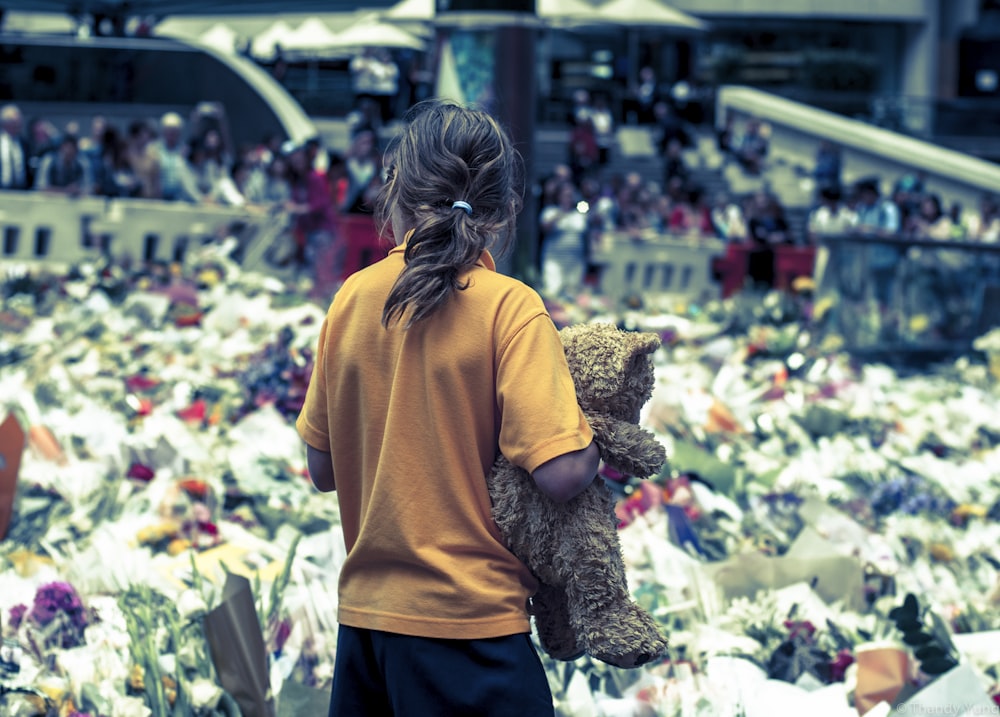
(266, 44)
(220, 37)
(312, 37)
(647, 13)
(372, 32)
(569, 13)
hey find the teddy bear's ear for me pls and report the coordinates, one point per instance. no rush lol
(643, 343)
(600, 356)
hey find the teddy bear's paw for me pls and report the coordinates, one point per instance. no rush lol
(632, 640)
(636, 655)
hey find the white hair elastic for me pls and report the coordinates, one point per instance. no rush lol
(462, 205)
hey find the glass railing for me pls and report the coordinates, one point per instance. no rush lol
(891, 295)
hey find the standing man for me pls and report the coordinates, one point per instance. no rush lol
(177, 181)
(14, 170)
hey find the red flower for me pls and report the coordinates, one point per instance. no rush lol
(195, 413)
(838, 668)
(140, 382)
(140, 472)
(800, 628)
(193, 319)
(194, 487)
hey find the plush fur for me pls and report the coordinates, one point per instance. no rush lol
(583, 604)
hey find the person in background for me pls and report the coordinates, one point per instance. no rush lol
(669, 127)
(674, 165)
(315, 223)
(984, 226)
(113, 174)
(177, 181)
(564, 243)
(581, 108)
(211, 167)
(375, 78)
(140, 151)
(43, 138)
(931, 222)
(15, 154)
(91, 146)
(752, 147)
(827, 168)
(643, 96)
(727, 219)
(429, 364)
(831, 217)
(767, 227)
(604, 127)
(878, 218)
(357, 177)
(63, 171)
(583, 152)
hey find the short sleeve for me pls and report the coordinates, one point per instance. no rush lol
(312, 423)
(540, 418)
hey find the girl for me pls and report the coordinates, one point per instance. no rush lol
(429, 363)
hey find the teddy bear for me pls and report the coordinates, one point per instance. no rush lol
(583, 604)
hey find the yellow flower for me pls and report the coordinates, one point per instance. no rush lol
(968, 510)
(803, 283)
(178, 546)
(157, 533)
(135, 679)
(941, 552)
(169, 689)
(919, 323)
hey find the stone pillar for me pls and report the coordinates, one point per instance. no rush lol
(920, 69)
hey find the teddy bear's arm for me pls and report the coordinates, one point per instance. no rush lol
(627, 447)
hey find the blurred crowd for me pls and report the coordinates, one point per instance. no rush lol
(588, 196)
(580, 200)
(172, 158)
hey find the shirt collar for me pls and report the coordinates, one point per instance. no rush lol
(485, 259)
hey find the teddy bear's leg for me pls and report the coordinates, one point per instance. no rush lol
(550, 610)
(609, 624)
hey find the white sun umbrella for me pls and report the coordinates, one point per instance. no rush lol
(220, 37)
(266, 43)
(411, 11)
(312, 37)
(569, 13)
(649, 13)
(371, 32)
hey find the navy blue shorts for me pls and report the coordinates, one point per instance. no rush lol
(382, 674)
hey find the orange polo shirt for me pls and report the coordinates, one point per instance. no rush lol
(413, 419)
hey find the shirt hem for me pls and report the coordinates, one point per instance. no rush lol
(434, 627)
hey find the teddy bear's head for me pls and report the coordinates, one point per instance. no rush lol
(612, 369)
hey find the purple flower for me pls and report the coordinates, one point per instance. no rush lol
(54, 598)
(16, 616)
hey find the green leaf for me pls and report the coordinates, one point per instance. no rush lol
(690, 458)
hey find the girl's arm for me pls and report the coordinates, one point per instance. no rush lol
(320, 469)
(566, 476)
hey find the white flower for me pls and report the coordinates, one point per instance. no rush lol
(205, 693)
(190, 605)
(129, 707)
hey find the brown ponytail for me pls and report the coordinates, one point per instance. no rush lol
(447, 153)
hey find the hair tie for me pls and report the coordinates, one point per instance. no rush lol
(462, 205)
